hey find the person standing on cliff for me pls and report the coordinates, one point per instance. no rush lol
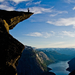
(28, 10)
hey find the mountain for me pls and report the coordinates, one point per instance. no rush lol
(67, 51)
(61, 54)
(43, 57)
(55, 56)
(32, 63)
(71, 66)
(10, 48)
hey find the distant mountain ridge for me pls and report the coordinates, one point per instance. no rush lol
(56, 56)
(67, 51)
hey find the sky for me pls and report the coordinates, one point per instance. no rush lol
(51, 26)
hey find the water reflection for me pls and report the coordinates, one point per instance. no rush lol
(59, 68)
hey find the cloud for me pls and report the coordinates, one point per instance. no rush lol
(53, 45)
(63, 22)
(35, 34)
(33, 3)
(42, 34)
(1, 0)
(37, 2)
(38, 10)
(64, 34)
(52, 34)
(46, 35)
(73, 8)
(69, 1)
(5, 7)
(57, 43)
(60, 12)
(18, 1)
(57, 12)
(52, 15)
(68, 33)
(64, 45)
(60, 45)
(29, 3)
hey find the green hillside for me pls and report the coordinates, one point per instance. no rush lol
(52, 56)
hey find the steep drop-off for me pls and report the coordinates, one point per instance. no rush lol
(28, 63)
(71, 66)
(10, 48)
(12, 18)
(43, 58)
(31, 63)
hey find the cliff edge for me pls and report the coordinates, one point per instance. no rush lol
(71, 67)
(10, 48)
(31, 63)
(28, 63)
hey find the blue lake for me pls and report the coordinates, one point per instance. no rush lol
(59, 68)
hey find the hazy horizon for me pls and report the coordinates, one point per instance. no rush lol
(52, 47)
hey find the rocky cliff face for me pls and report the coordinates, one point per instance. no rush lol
(29, 63)
(72, 73)
(42, 56)
(12, 18)
(71, 66)
(10, 48)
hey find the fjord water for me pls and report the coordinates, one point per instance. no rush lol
(59, 68)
